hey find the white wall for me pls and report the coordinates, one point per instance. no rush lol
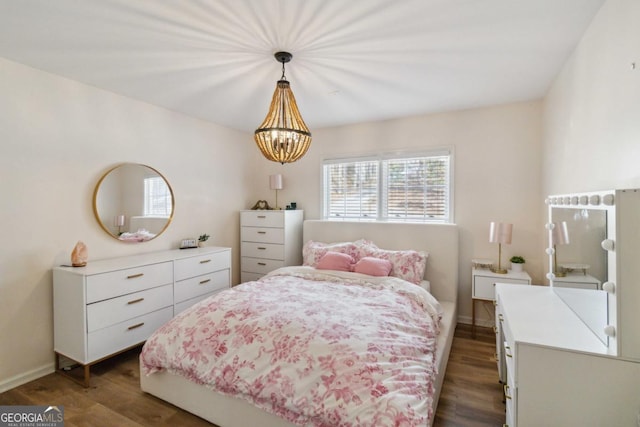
(57, 138)
(592, 112)
(497, 176)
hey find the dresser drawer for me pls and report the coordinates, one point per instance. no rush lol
(120, 282)
(262, 219)
(202, 264)
(484, 286)
(182, 306)
(106, 313)
(115, 338)
(195, 286)
(263, 250)
(261, 266)
(262, 235)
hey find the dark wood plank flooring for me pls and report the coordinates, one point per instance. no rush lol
(471, 395)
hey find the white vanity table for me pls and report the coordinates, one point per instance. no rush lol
(571, 357)
(558, 373)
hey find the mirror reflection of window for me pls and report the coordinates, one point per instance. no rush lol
(157, 197)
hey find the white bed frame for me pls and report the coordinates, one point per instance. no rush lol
(439, 240)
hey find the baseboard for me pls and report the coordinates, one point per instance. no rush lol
(25, 377)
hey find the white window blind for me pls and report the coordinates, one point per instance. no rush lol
(157, 197)
(351, 190)
(409, 188)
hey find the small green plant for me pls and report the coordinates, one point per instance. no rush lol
(516, 259)
(203, 238)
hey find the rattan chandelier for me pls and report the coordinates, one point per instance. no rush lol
(283, 136)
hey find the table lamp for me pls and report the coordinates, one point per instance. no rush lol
(500, 233)
(275, 182)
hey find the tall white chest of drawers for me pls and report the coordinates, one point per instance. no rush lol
(269, 240)
(115, 304)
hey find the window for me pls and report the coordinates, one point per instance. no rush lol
(157, 197)
(408, 188)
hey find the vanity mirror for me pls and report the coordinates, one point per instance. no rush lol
(133, 202)
(579, 263)
(594, 240)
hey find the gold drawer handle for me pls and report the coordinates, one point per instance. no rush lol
(262, 249)
(134, 276)
(507, 349)
(262, 216)
(261, 263)
(505, 389)
(204, 261)
(136, 301)
(205, 281)
(135, 326)
(262, 232)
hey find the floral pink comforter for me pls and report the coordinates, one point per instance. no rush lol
(316, 348)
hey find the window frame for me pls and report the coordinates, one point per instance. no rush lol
(380, 158)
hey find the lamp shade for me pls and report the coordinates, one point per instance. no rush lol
(500, 233)
(118, 220)
(275, 182)
(560, 234)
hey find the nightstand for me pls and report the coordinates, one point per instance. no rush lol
(483, 284)
(577, 280)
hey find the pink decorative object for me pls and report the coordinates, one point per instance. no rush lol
(373, 266)
(79, 255)
(335, 261)
(407, 265)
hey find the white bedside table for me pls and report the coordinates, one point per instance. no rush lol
(483, 284)
(577, 280)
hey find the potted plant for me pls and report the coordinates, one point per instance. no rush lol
(517, 262)
(203, 238)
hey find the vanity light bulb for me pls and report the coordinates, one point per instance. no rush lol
(607, 245)
(609, 287)
(610, 331)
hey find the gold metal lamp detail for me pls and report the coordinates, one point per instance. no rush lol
(283, 136)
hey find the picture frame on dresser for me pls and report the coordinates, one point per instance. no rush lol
(112, 305)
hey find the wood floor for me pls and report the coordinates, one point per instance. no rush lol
(471, 395)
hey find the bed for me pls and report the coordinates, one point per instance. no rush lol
(441, 243)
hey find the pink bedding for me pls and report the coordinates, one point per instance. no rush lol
(318, 348)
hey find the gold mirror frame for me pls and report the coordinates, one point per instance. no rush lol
(118, 202)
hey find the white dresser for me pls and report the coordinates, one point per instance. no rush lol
(269, 240)
(558, 373)
(114, 304)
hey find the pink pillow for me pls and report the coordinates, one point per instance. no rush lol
(373, 266)
(407, 265)
(312, 251)
(335, 261)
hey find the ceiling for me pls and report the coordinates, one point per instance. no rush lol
(353, 61)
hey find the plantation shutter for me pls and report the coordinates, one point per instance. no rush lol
(351, 190)
(416, 189)
(157, 197)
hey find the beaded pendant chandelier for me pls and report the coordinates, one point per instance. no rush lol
(283, 136)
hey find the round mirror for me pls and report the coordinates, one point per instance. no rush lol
(133, 203)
